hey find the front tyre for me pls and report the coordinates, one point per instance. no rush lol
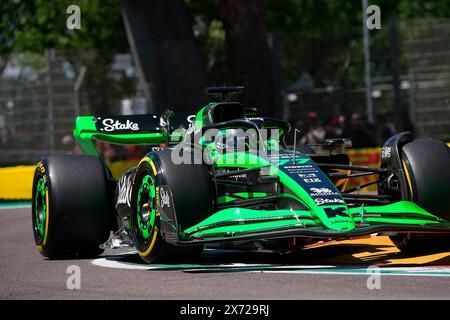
(71, 206)
(191, 204)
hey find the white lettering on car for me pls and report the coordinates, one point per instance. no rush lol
(110, 125)
(320, 201)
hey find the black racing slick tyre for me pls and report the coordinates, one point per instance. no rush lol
(71, 206)
(192, 196)
(426, 164)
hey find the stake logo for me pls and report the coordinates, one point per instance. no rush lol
(320, 201)
(111, 125)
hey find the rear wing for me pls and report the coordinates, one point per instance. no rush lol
(134, 129)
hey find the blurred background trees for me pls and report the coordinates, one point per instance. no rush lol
(293, 56)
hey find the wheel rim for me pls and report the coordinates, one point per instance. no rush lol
(146, 210)
(41, 208)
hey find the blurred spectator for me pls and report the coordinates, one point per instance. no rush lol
(70, 144)
(361, 133)
(315, 132)
(107, 152)
(335, 127)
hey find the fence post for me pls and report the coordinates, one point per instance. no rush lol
(49, 54)
(368, 77)
(395, 69)
(76, 90)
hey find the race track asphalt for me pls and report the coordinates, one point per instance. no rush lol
(25, 274)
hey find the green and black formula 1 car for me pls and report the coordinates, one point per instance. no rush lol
(225, 177)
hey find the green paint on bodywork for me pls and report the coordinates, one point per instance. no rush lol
(397, 207)
(237, 195)
(247, 195)
(340, 224)
(238, 221)
(247, 160)
(199, 118)
(402, 212)
(242, 216)
(260, 227)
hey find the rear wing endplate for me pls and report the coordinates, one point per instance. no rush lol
(133, 129)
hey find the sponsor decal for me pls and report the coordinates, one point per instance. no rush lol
(165, 198)
(322, 201)
(113, 125)
(297, 167)
(191, 121)
(312, 180)
(317, 192)
(386, 152)
(255, 119)
(128, 124)
(307, 175)
(293, 162)
(239, 176)
(321, 190)
(41, 167)
(125, 185)
(162, 122)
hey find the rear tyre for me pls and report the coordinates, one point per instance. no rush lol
(71, 206)
(426, 163)
(192, 202)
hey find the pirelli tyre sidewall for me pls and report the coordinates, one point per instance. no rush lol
(71, 206)
(155, 170)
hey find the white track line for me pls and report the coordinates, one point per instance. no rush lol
(110, 262)
(15, 207)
